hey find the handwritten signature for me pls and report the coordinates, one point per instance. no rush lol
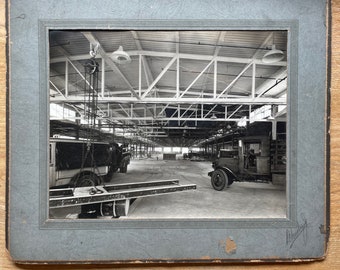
(292, 235)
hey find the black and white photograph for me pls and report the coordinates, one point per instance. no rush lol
(176, 124)
(168, 132)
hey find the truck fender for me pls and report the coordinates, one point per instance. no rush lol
(124, 163)
(125, 159)
(231, 175)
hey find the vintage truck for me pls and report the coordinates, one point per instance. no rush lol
(256, 158)
(78, 169)
(75, 163)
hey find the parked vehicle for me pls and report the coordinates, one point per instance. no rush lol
(120, 158)
(255, 159)
(75, 163)
(76, 166)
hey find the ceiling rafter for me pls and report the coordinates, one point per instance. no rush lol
(94, 41)
(150, 98)
(173, 118)
(65, 82)
(253, 64)
(148, 74)
(159, 100)
(230, 85)
(237, 60)
(159, 77)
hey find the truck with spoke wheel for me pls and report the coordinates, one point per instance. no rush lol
(256, 158)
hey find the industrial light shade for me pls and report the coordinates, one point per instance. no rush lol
(273, 56)
(213, 116)
(120, 57)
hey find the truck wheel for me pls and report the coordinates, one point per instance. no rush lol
(123, 169)
(107, 178)
(114, 169)
(86, 180)
(219, 179)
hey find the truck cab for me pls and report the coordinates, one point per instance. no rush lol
(249, 161)
(227, 158)
(120, 158)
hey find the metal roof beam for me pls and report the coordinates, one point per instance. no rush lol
(171, 91)
(263, 88)
(183, 119)
(238, 108)
(147, 70)
(195, 80)
(235, 80)
(264, 44)
(157, 100)
(181, 56)
(90, 37)
(159, 76)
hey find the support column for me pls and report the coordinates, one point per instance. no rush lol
(140, 149)
(274, 130)
(66, 78)
(103, 79)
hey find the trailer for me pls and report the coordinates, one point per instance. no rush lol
(111, 200)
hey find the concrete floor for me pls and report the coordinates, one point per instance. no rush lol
(240, 200)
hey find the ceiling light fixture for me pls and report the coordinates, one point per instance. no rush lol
(120, 56)
(273, 56)
(213, 116)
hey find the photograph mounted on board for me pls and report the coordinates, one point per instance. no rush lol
(167, 124)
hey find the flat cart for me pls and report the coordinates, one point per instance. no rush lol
(111, 200)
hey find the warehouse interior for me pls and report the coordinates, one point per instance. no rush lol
(173, 100)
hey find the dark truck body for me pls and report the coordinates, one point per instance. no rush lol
(250, 161)
(79, 163)
(120, 158)
(77, 170)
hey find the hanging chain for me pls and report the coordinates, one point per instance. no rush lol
(90, 110)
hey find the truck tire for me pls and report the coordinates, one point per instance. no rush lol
(86, 180)
(123, 169)
(219, 179)
(107, 178)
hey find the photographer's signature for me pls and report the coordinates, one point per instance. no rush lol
(293, 234)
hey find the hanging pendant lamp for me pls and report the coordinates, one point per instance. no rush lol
(120, 56)
(273, 56)
(213, 116)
